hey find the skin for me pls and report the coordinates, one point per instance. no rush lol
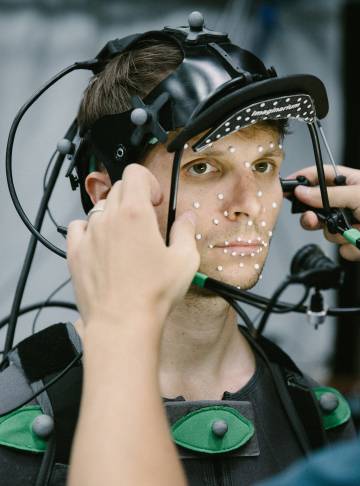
(112, 346)
(202, 352)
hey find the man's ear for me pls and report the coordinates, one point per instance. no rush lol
(97, 185)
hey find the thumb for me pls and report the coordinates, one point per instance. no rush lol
(182, 236)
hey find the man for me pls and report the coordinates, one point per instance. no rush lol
(147, 459)
(207, 367)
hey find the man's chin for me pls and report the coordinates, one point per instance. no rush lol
(245, 282)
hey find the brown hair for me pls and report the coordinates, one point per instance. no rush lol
(134, 72)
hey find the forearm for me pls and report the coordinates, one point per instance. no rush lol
(122, 436)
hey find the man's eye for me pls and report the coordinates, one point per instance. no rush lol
(200, 168)
(262, 167)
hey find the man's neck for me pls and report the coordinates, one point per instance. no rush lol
(202, 352)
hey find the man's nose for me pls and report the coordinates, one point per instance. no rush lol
(244, 198)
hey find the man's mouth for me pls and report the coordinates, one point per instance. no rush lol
(251, 247)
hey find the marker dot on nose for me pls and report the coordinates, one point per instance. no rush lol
(215, 221)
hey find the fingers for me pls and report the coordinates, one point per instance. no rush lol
(312, 174)
(182, 238)
(349, 252)
(138, 187)
(75, 234)
(339, 196)
(310, 221)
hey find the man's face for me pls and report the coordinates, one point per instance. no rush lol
(234, 189)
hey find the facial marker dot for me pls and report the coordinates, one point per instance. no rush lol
(280, 146)
(253, 121)
(260, 148)
(241, 265)
(242, 254)
(256, 266)
(287, 100)
(186, 146)
(263, 224)
(233, 253)
(271, 145)
(258, 238)
(259, 193)
(247, 164)
(265, 244)
(225, 250)
(226, 243)
(275, 103)
(215, 221)
(274, 205)
(220, 195)
(210, 245)
(238, 238)
(252, 254)
(250, 223)
(249, 241)
(270, 233)
(248, 110)
(219, 268)
(238, 287)
(198, 236)
(226, 213)
(196, 204)
(231, 149)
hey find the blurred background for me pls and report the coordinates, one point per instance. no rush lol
(40, 37)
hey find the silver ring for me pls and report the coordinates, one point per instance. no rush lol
(94, 210)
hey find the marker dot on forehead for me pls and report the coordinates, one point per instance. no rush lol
(186, 146)
(226, 213)
(196, 204)
(259, 193)
(274, 205)
(198, 236)
(231, 149)
(220, 195)
(219, 268)
(215, 221)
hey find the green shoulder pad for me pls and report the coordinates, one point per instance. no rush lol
(335, 409)
(16, 430)
(198, 430)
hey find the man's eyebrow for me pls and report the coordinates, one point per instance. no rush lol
(220, 153)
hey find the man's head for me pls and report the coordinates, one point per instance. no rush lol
(233, 185)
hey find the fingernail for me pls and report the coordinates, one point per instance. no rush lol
(190, 216)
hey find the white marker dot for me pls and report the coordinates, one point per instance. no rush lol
(231, 149)
(260, 148)
(226, 213)
(225, 250)
(241, 265)
(226, 243)
(242, 254)
(258, 238)
(287, 100)
(238, 117)
(220, 195)
(238, 287)
(264, 244)
(249, 223)
(198, 236)
(247, 118)
(215, 221)
(262, 105)
(280, 146)
(248, 110)
(253, 121)
(218, 135)
(237, 127)
(252, 254)
(259, 193)
(208, 140)
(186, 146)
(249, 241)
(274, 205)
(263, 224)
(275, 103)
(196, 204)
(227, 129)
(270, 233)
(233, 253)
(260, 276)
(238, 238)
(219, 268)
(210, 245)
(271, 145)
(227, 124)
(256, 266)
(247, 164)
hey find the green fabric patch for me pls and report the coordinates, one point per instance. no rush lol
(342, 412)
(194, 430)
(16, 430)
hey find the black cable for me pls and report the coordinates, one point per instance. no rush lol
(47, 462)
(10, 144)
(45, 387)
(37, 305)
(296, 306)
(54, 292)
(52, 219)
(271, 304)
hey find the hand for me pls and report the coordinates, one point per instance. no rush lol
(118, 259)
(339, 196)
